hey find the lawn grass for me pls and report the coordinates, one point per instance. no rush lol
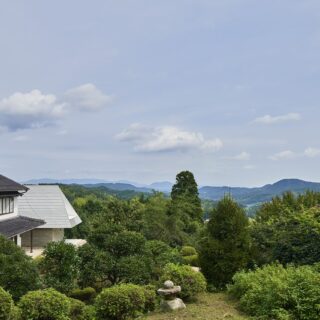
(209, 306)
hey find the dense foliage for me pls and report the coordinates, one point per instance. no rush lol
(225, 247)
(60, 266)
(288, 230)
(135, 243)
(18, 273)
(275, 292)
(6, 305)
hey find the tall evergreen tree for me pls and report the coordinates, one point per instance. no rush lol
(225, 247)
(185, 194)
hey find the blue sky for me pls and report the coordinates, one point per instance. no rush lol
(139, 90)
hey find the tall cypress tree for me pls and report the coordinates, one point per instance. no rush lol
(185, 191)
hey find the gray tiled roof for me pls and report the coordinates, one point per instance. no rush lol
(13, 226)
(47, 202)
(8, 185)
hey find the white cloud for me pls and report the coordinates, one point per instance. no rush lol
(35, 109)
(166, 138)
(21, 138)
(241, 156)
(311, 152)
(267, 119)
(284, 155)
(87, 97)
(31, 109)
(249, 167)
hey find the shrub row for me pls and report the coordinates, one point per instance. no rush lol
(123, 301)
(276, 292)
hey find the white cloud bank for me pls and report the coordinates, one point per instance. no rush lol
(87, 97)
(36, 109)
(288, 154)
(243, 156)
(283, 155)
(312, 152)
(267, 119)
(167, 138)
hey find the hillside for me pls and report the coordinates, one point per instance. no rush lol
(245, 196)
(252, 196)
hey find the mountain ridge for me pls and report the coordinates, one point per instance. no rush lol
(247, 196)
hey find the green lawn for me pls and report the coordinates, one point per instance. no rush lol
(209, 306)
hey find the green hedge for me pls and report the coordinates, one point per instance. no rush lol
(276, 292)
(191, 282)
(86, 295)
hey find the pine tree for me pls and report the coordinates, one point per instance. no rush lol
(225, 247)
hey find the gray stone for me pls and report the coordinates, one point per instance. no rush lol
(171, 305)
(168, 284)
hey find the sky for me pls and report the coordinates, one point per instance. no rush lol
(141, 89)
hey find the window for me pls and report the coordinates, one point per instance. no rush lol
(6, 205)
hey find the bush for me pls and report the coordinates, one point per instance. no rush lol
(86, 295)
(44, 304)
(79, 311)
(279, 293)
(188, 251)
(60, 265)
(190, 256)
(124, 301)
(19, 273)
(6, 305)
(150, 298)
(191, 282)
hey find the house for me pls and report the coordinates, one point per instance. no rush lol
(48, 203)
(32, 216)
(13, 225)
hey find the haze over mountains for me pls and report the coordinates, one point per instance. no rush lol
(245, 196)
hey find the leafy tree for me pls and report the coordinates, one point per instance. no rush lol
(160, 254)
(60, 266)
(18, 272)
(95, 267)
(288, 230)
(225, 247)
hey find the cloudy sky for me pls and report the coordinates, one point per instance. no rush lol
(139, 90)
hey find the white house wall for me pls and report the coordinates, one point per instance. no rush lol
(41, 237)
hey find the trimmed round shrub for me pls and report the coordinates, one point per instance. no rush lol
(191, 282)
(190, 256)
(188, 251)
(86, 295)
(80, 311)
(6, 305)
(120, 302)
(44, 304)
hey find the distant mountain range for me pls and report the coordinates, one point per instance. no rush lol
(245, 196)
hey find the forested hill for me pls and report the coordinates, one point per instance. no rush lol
(251, 196)
(245, 196)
